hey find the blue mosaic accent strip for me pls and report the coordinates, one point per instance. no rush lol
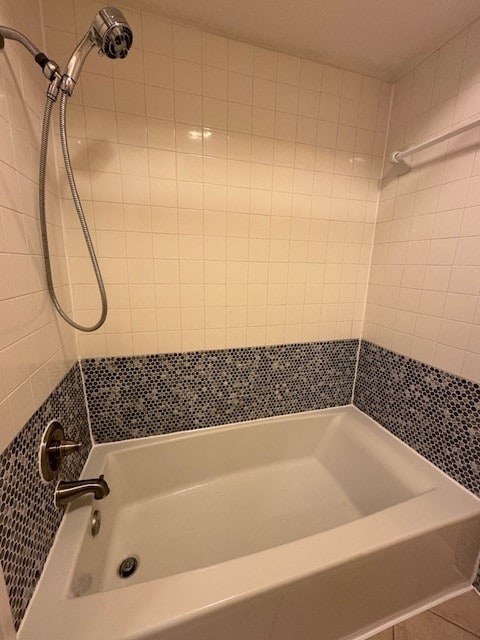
(434, 412)
(133, 397)
(28, 517)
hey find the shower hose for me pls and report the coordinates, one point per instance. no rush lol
(78, 207)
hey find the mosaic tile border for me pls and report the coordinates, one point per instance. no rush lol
(137, 396)
(163, 393)
(434, 412)
(29, 519)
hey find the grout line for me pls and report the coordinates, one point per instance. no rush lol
(360, 339)
(65, 230)
(455, 624)
(456, 238)
(89, 421)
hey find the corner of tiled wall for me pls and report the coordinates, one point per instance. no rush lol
(29, 517)
(423, 297)
(36, 349)
(39, 377)
(419, 365)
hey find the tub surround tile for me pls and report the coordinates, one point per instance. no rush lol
(434, 412)
(139, 396)
(226, 189)
(28, 517)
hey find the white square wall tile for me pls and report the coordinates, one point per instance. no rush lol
(215, 51)
(187, 43)
(241, 198)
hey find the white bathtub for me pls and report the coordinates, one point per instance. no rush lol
(320, 525)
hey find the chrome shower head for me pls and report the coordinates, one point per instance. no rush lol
(110, 32)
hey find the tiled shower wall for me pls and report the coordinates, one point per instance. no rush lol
(37, 381)
(36, 349)
(423, 302)
(423, 296)
(29, 518)
(231, 190)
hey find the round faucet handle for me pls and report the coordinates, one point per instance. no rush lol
(53, 449)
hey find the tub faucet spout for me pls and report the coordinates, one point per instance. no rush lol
(67, 492)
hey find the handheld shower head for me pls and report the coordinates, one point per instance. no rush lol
(110, 32)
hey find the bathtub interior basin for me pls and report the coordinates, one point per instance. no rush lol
(326, 502)
(178, 507)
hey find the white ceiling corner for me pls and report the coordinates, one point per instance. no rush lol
(383, 38)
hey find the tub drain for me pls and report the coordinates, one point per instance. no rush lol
(128, 567)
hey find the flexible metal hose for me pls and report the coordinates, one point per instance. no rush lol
(13, 34)
(78, 207)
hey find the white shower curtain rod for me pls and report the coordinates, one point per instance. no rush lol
(397, 157)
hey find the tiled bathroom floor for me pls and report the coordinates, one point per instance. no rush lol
(457, 619)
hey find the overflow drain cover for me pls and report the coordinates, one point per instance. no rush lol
(128, 567)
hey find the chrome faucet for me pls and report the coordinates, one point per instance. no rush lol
(67, 492)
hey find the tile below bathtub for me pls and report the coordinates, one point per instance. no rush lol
(463, 611)
(428, 626)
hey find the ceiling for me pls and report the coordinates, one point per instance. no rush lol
(383, 38)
